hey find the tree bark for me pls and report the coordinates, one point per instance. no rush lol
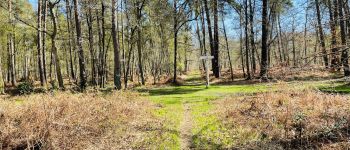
(264, 46)
(12, 64)
(89, 21)
(175, 40)
(227, 46)
(70, 39)
(102, 43)
(344, 55)
(39, 46)
(293, 44)
(321, 34)
(54, 47)
(334, 54)
(211, 41)
(117, 71)
(80, 47)
(2, 83)
(252, 34)
(216, 64)
(247, 39)
(139, 41)
(44, 36)
(241, 44)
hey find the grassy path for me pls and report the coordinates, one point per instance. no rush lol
(186, 128)
(184, 110)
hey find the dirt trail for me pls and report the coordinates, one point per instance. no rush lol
(186, 128)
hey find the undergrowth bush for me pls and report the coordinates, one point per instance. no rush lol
(289, 119)
(25, 87)
(75, 121)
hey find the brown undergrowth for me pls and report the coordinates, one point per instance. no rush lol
(276, 74)
(288, 119)
(304, 73)
(76, 121)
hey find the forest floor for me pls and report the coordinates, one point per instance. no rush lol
(190, 111)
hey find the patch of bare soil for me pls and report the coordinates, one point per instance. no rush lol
(186, 128)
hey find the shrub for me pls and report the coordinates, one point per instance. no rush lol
(26, 87)
(76, 121)
(291, 118)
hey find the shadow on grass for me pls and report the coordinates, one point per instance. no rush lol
(16, 92)
(340, 89)
(199, 141)
(172, 91)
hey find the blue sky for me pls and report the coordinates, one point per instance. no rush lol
(231, 21)
(34, 3)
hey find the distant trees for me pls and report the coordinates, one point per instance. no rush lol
(132, 42)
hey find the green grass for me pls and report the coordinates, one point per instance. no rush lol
(338, 88)
(207, 130)
(205, 127)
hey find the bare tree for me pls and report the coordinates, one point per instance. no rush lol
(80, 47)
(52, 6)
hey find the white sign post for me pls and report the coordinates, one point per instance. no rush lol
(206, 59)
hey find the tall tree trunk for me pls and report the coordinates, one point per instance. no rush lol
(316, 44)
(102, 43)
(130, 55)
(334, 54)
(199, 36)
(123, 43)
(344, 47)
(139, 42)
(80, 47)
(305, 34)
(117, 72)
(252, 41)
(226, 41)
(39, 46)
(44, 15)
(11, 46)
(211, 40)
(321, 35)
(293, 43)
(89, 21)
(247, 39)
(203, 33)
(264, 46)
(54, 47)
(216, 65)
(70, 39)
(175, 40)
(2, 82)
(26, 60)
(241, 43)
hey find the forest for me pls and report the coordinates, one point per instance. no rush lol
(174, 74)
